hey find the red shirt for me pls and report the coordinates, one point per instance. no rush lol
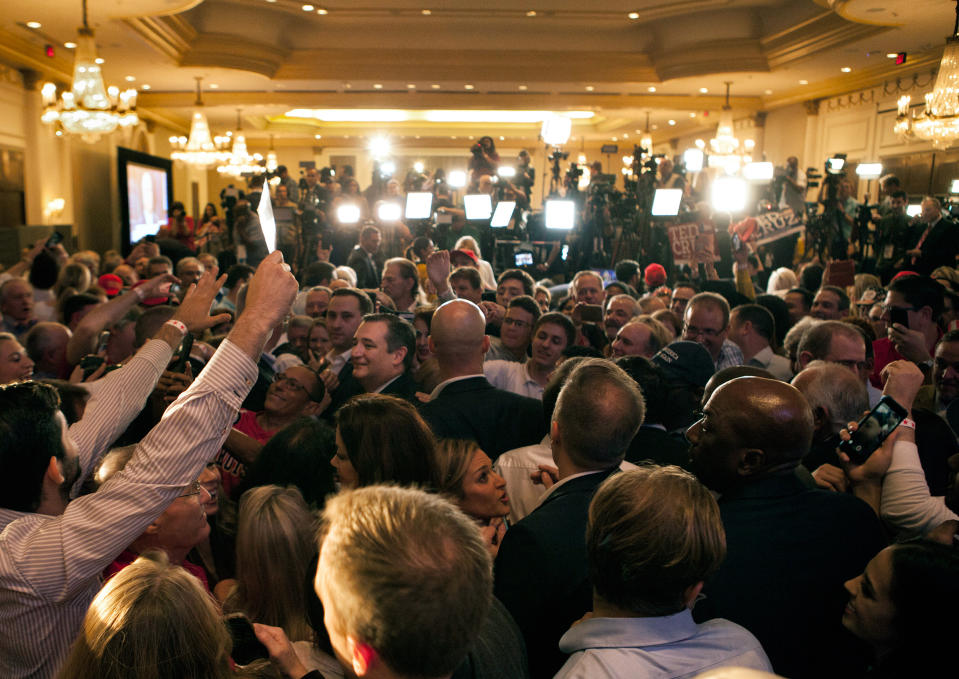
(127, 557)
(232, 470)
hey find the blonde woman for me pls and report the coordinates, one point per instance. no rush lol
(274, 545)
(485, 268)
(151, 621)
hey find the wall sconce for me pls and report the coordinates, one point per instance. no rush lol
(55, 208)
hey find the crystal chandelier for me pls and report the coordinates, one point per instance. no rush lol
(201, 150)
(240, 161)
(89, 109)
(725, 146)
(271, 160)
(939, 120)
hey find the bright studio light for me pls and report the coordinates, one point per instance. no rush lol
(869, 170)
(758, 172)
(506, 171)
(379, 147)
(728, 194)
(348, 214)
(419, 167)
(457, 179)
(389, 212)
(693, 158)
(556, 130)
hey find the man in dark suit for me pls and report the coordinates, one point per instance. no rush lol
(938, 242)
(365, 259)
(541, 573)
(465, 404)
(383, 349)
(790, 548)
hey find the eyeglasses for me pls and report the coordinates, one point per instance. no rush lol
(289, 383)
(693, 331)
(194, 489)
(515, 321)
(888, 307)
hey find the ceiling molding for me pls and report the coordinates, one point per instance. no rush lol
(22, 53)
(819, 33)
(168, 35)
(217, 50)
(735, 55)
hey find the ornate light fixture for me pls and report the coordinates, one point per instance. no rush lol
(89, 109)
(725, 146)
(271, 161)
(240, 161)
(939, 120)
(200, 150)
(646, 141)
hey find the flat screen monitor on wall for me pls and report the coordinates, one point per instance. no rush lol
(146, 191)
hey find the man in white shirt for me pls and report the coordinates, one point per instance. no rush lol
(751, 328)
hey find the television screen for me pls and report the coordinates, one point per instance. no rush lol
(146, 191)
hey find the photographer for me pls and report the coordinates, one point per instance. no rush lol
(314, 202)
(525, 174)
(793, 193)
(668, 179)
(892, 235)
(485, 159)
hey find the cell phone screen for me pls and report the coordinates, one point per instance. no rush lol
(592, 313)
(246, 647)
(873, 430)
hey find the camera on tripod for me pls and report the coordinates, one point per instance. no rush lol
(558, 155)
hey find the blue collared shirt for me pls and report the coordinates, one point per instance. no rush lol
(671, 646)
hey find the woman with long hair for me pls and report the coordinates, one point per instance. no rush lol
(382, 439)
(274, 546)
(152, 620)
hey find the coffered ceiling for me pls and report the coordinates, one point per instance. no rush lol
(613, 60)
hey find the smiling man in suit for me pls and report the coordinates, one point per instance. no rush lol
(464, 404)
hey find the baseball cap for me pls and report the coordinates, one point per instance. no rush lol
(687, 362)
(111, 284)
(655, 275)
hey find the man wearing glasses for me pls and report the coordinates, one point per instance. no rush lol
(912, 307)
(516, 331)
(706, 321)
(294, 393)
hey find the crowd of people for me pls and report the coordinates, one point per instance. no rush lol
(410, 464)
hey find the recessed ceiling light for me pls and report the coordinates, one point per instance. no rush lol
(129, 78)
(317, 136)
(426, 12)
(214, 86)
(271, 1)
(144, 87)
(845, 69)
(654, 127)
(322, 11)
(34, 24)
(410, 86)
(769, 91)
(467, 87)
(703, 90)
(672, 122)
(377, 86)
(348, 85)
(803, 82)
(453, 137)
(308, 8)
(590, 88)
(99, 60)
(692, 115)
(625, 135)
(651, 88)
(614, 138)
(892, 55)
(70, 45)
(435, 86)
(633, 15)
(523, 87)
(531, 13)
(502, 138)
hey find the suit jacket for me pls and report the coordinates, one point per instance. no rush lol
(403, 387)
(367, 273)
(939, 249)
(474, 409)
(790, 548)
(542, 573)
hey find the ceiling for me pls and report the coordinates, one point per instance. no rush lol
(616, 61)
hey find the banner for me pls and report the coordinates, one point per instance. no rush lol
(768, 227)
(692, 243)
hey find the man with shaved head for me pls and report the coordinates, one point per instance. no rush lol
(464, 404)
(790, 547)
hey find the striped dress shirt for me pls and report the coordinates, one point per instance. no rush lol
(50, 565)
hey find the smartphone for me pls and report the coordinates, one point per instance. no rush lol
(246, 647)
(102, 341)
(873, 430)
(182, 357)
(900, 316)
(523, 259)
(90, 363)
(737, 242)
(55, 237)
(591, 313)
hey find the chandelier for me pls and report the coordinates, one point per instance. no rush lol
(939, 120)
(201, 150)
(240, 161)
(725, 146)
(271, 160)
(89, 108)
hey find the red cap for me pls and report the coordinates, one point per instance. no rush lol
(111, 284)
(903, 274)
(466, 253)
(655, 275)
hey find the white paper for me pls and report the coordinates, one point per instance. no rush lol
(267, 223)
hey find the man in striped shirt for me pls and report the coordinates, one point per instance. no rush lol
(52, 550)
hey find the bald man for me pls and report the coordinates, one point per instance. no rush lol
(464, 404)
(790, 547)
